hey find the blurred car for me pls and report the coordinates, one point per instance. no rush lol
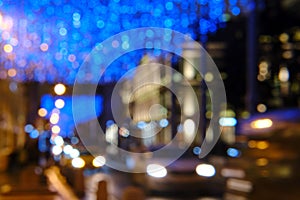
(270, 154)
(187, 176)
(263, 124)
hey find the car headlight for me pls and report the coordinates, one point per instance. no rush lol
(156, 171)
(205, 170)
(261, 123)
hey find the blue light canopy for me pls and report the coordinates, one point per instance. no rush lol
(47, 41)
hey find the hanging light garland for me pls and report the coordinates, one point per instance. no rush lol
(46, 41)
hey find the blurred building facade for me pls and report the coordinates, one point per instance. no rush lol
(12, 120)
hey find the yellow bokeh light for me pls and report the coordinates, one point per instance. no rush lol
(252, 144)
(12, 72)
(54, 118)
(55, 129)
(297, 35)
(42, 112)
(44, 47)
(208, 114)
(262, 145)
(59, 89)
(287, 54)
(99, 161)
(209, 77)
(6, 188)
(261, 108)
(283, 37)
(59, 103)
(261, 123)
(263, 65)
(265, 39)
(8, 48)
(245, 115)
(261, 162)
(261, 77)
(78, 163)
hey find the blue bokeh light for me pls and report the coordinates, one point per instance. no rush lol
(197, 150)
(235, 11)
(233, 152)
(28, 128)
(228, 121)
(141, 124)
(34, 134)
(163, 123)
(169, 5)
(71, 27)
(109, 123)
